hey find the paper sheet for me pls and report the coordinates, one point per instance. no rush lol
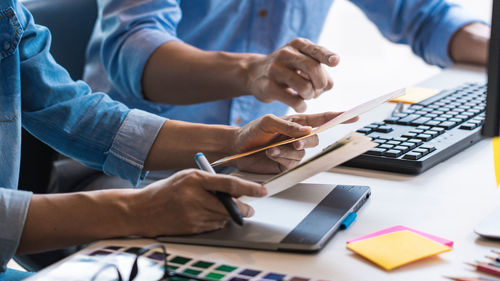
(356, 111)
(414, 95)
(496, 158)
(440, 240)
(341, 151)
(397, 248)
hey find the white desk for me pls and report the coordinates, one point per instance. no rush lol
(447, 200)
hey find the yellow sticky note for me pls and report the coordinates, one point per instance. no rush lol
(414, 95)
(397, 248)
(496, 157)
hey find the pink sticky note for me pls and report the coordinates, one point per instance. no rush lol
(400, 228)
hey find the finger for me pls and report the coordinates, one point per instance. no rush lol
(317, 52)
(285, 164)
(294, 80)
(245, 209)
(309, 142)
(287, 97)
(232, 185)
(311, 68)
(312, 120)
(285, 152)
(271, 124)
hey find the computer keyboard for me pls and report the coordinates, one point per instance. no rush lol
(427, 132)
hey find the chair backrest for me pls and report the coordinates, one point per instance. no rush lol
(71, 23)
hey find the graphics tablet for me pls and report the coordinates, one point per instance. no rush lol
(301, 218)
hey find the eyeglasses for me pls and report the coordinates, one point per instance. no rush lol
(167, 273)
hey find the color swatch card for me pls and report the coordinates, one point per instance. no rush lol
(400, 228)
(85, 265)
(398, 248)
(349, 114)
(415, 95)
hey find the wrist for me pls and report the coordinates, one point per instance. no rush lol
(249, 65)
(470, 44)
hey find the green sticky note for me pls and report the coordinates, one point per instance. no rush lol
(203, 264)
(180, 260)
(215, 276)
(226, 268)
(192, 271)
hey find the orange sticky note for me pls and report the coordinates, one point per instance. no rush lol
(414, 95)
(496, 158)
(397, 248)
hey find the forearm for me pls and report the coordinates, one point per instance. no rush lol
(177, 73)
(62, 220)
(470, 44)
(178, 142)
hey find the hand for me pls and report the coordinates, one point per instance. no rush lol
(270, 129)
(470, 44)
(184, 203)
(291, 74)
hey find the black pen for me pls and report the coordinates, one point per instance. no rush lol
(224, 197)
(397, 109)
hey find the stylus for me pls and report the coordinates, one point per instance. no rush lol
(225, 198)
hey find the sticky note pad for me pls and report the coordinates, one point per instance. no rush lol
(397, 248)
(399, 228)
(496, 158)
(414, 95)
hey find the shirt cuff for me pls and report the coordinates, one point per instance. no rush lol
(127, 155)
(456, 18)
(142, 45)
(14, 206)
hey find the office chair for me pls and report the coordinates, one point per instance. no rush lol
(71, 23)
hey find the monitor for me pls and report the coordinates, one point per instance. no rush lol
(491, 126)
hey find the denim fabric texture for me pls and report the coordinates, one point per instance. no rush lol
(129, 31)
(39, 95)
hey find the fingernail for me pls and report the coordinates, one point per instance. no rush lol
(251, 212)
(274, 151)
(263, 191)
(332, 59)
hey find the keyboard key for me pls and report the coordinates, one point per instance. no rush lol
(379, 140)
(375, 151)
(402, 148)
(447, 124)
(401, 139)
(393, 142)
(458, 120)
(439, 130)
(409, 135)
(416, 131)
(428, 147)
(413, 156)
(433, 122)
(385, 138)
(420, 150)
(422, 127)
(424, 137)
(410, 145)
(420, 121)
(391, 120)
(386, 146)
(432, 133)
(378, 123)
(416, 141)
(365, 131)
(406, 120)
(383, 129)
(393, 153)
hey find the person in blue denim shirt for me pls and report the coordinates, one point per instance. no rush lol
(226, 61)
(38, 94)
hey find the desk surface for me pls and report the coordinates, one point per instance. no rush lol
(447, 200)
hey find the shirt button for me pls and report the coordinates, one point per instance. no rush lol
(238, 121)
(262, 13)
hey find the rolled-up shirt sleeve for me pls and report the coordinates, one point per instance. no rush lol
(131, 30)
(14, 206)
(90, 127)
(427, 26)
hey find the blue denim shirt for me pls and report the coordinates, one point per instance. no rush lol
(38, 94)
(128, 31)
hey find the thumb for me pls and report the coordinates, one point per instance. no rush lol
(272, 124)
